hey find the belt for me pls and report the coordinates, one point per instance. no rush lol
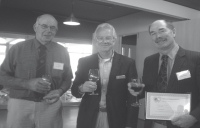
(38, 99)
(157, 125)
(102, 109)
(162, 122)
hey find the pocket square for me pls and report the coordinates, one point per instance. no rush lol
(183, 75)
(121, 77)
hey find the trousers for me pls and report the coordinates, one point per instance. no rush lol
(30, 114)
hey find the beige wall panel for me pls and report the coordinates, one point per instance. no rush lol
(188, 34)
(144, 48)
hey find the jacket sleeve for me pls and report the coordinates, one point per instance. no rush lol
(78, 81)
(196, 112)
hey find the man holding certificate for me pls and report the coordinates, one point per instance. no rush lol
(172, 75)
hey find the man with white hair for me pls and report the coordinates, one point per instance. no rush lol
(111, 107)
(34, 102)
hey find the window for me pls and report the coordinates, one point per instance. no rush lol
(2, 53)
(6, 43)
(77, 51)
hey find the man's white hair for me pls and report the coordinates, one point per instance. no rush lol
(106, 26)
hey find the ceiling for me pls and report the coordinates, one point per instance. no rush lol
(194, 4)
(88, 10)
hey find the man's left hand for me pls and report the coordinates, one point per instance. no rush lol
(53, 96)
(184, 121)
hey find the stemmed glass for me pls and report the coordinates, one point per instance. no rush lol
(47, 78)
(137, 86)
(93, 76)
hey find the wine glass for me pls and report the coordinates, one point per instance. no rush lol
(137, 86)
(47, 78)
(93, 76)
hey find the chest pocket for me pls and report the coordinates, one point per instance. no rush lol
(57, 73)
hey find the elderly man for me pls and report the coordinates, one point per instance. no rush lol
(161, 71)
(111, 106)
(34, 102)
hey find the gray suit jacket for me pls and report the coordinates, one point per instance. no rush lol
(185, 60)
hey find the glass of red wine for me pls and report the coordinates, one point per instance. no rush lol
(93, 76)
(137, 86)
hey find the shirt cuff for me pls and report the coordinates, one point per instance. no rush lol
(80, 92)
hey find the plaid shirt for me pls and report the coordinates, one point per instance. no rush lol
(21, 62)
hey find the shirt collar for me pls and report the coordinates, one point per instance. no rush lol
(37, 44)
(173, 52)
(109, 59)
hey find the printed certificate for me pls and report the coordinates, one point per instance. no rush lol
(165, 106)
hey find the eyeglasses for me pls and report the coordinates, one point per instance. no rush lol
(106, 39)
(44, 26)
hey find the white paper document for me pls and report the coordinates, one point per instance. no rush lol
(165, 106)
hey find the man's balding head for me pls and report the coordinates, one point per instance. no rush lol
(46, 27)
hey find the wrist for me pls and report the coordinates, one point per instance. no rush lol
(80, 89)
(25, 84)
(61, 91)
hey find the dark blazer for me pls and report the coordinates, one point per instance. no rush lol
(118, 99)
(185, 60)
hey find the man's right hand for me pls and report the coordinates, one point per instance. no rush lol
(88, 86)
(38, 85)
(132, 92)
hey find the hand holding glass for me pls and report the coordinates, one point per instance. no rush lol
(137, 86)
(47, 78)
(93, 76)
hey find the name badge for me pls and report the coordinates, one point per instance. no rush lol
(183, 75)
(57, 65)
(121, 77)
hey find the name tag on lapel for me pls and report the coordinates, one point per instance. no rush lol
(183, 75)
(57, 65)
(121, 77)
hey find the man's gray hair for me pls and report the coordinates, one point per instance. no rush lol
(106, 26)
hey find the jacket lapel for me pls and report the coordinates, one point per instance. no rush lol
(116, 63)
(154, 69)
(178, 62)
(95, 61)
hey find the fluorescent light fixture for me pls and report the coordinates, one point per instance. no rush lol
(71, 21)
(16, 41)
(2, 40)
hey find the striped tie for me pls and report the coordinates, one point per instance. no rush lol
(41, 62)
(162, 76)
(40, 71)
(162, 82)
